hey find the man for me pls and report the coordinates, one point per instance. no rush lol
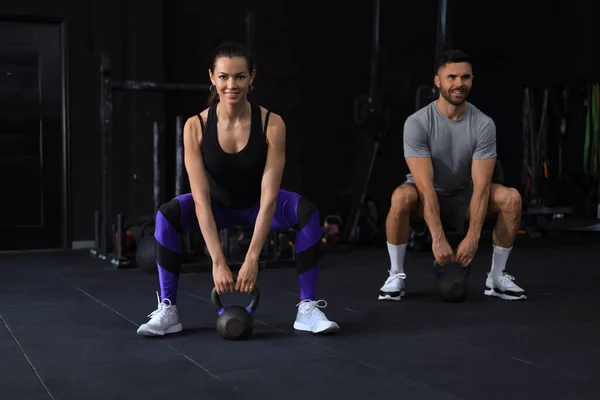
(450, 150)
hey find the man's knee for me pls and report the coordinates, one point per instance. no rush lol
(404, 199)
(509, 201)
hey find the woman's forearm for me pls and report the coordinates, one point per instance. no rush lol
(210, 234)
(261, 229)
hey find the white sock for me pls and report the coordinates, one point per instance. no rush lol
(499, 260)
(396, 257)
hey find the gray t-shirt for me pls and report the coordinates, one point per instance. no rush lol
(451, 145)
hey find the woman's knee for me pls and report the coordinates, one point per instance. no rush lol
(404, 199)
(169, 215)
(308, 213)
(167, 232)
(308, 231)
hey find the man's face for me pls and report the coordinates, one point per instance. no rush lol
(455, 81)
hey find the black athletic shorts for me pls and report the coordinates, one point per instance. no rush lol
(453, 208)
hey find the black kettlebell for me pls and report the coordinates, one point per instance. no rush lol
(235, 322)
(452, 281)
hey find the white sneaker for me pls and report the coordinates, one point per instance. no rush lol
(163, 320)
(394, 287)
(311, 319)
(503, 286)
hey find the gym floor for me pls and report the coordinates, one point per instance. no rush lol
(68, 331)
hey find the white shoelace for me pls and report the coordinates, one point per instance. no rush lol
(392, 277)
(162, 305)
(506, 280)
(313, 307)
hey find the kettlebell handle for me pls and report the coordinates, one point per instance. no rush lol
(216, 300)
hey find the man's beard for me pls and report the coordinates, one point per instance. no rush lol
(448, 96)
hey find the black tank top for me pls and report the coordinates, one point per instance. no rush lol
(235, 178)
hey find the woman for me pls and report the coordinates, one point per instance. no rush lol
(234, 157)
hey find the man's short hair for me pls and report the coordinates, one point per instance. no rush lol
(452, 56)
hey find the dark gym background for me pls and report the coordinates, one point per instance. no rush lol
(312, 58)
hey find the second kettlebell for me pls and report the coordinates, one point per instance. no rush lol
(452, 281)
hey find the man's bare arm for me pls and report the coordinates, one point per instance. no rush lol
(421, 169)
(482, 172)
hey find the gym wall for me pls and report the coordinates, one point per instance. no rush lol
(311, 66)
(130, 31)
